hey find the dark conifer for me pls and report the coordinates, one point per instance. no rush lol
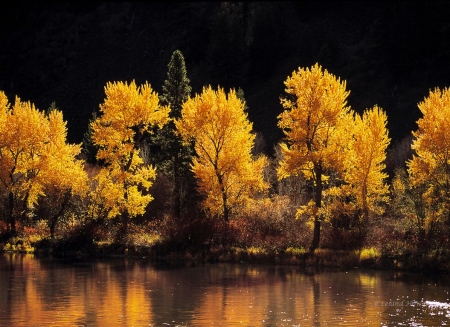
(88, 149)
(174, 157)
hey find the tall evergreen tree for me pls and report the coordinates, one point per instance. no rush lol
(88, 148)
(175, 158)
(176, 88)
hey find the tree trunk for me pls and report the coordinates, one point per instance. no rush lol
(11, 218)
(54, 219)
(365, 207)
(177, 192)
(226, 210)
(318, 203)
(124, 230)
(52, 227)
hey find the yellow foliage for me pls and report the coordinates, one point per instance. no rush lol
(34, 155)
(224, 167)
(128, 113)
(311, 121)
(325, 138)
(432, 142)
(365, 160)
(315, 126)
(369, 254)
(430, 164)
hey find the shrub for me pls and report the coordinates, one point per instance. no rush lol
(369, 254)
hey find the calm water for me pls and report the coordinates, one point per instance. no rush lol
(127, 292)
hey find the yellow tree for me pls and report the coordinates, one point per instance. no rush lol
(315, 107)
(65, 176)
(34, 156)
(365, 161)
(127, 115)
(430, 165)
(227, 174)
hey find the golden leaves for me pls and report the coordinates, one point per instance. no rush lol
(432, 142)
(324, 136)
(430, 164)
(128, 113)
(127, 110)
(34, 155)
(365, 159)
(315, 103)
(227, 173)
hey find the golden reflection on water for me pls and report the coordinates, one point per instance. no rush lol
(126, 292)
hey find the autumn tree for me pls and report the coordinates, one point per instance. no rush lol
(65, 177)
(430, 165)
(34, 157)
(176, 156)
(408, 203)
(315, 107)
(365, 161)
(128, 113)
(228, 176)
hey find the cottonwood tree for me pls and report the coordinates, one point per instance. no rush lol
(364, 169)
(128, 113)
(228, 176)
(65, 177)
(34, 157)
(315, 107)
(430, 165)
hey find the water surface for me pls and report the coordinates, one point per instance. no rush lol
(129, 292)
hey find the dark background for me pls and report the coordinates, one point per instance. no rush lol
(391, 53)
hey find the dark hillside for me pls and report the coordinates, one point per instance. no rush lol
(390, 53)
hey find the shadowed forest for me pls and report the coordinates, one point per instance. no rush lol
(298, 133)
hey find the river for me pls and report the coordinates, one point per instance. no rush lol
(129, 292)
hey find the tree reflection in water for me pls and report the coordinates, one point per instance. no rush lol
(128, 292)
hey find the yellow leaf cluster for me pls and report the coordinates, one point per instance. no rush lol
(323, 136)
(128, 113)
(430, 164)
(432, 140)
(34, 155)
(224, 167)
(314, 108)
(365, 160)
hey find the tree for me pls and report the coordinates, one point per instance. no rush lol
(228, 175)
(408, 203)
(34, 157)
(313, 124)
(89, 150)
(365, 162)
(128, 114)
(64, 177)
(176, 88)
(176, 157)
(430, 165)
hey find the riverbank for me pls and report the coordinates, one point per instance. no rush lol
(199, 241)
(430, 262)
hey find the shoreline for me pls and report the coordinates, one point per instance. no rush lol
(429, 263)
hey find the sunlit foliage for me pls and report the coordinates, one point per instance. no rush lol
(128, 113)
(315, 106)
(430, 165)
(227, 174)
(65, 176)
(34, 157)
(365, 162)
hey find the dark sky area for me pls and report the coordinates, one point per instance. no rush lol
(391, 53)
